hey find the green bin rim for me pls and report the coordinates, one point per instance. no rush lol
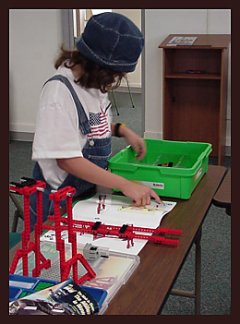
(204, 154)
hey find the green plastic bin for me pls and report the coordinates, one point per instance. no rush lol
(188, 163)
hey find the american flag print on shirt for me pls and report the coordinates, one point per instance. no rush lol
(99, 124)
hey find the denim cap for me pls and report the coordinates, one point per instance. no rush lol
(112, 41)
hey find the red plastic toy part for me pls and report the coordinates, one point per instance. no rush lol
(59, 224)
(26, 188)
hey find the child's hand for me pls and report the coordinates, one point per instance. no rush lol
(140, 194)
(136, 142)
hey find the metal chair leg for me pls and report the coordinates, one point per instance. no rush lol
(18, 212)
(114, 101)
(15, 221)
(130, 93)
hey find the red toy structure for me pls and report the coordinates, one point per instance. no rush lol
(60, 223)
(26, 188)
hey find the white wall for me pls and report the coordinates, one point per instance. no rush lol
(36, 34)
(34, 38)
(159, 23)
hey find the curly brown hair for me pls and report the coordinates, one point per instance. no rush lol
(94, 76)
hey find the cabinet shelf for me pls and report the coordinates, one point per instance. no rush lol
(195, 91)
(200, 76)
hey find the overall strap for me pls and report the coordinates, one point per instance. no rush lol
(82, 117)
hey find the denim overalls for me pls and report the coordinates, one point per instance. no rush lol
(96, 151)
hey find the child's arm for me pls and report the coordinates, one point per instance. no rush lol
(86, 170)
(136, 142)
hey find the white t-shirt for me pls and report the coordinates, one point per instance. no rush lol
(57, 133)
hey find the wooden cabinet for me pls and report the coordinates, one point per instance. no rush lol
(195, 90)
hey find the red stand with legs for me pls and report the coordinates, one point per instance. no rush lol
(26, 189)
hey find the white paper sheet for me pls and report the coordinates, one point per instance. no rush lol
(115, 210)
(118, 210)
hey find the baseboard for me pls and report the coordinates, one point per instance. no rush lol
(228, 150)
(150, 134)
(21, 136)
(132, 89)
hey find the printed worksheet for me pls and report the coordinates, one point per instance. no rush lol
(115, 210)
(119, 210)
